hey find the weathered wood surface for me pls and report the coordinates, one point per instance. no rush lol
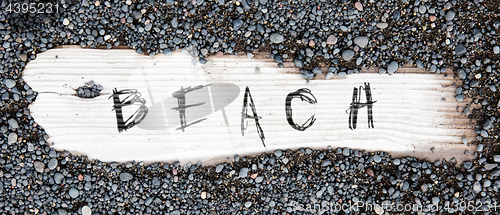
(415, 111)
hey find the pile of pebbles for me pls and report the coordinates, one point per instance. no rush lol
(344, 36)
(89, 90)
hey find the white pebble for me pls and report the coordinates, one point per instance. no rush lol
(66, 21)
(86, 210)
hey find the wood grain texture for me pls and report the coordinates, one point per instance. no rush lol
(415, 111)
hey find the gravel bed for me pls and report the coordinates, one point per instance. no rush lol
(345, 36)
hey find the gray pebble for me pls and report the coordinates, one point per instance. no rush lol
(347, 54)
(496, 158)
(377, 158)
(461, 74)
(298, 63)
(484, 133)
(342, 74)
(460, 49)
(488, 124)
(39, 166)
(58, 178)
(477, 187)
(331, 40)
(382, 25)
(450, 15)
(73, 192)
(237, 24)
(243, 172)
(259, 179)
(248, 204)
(361, 41)
(496, 50)
(276, 38)
(52, 164)
(9, 83)
(329, 75)
(392, 68)
(346, 152)
(317, 70)
(125, 176)
(219, 168)
(86, 210)
(490, 166)
(459, 98)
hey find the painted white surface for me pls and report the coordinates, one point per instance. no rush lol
(413, 112)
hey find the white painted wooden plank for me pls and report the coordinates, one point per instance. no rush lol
(412, 113)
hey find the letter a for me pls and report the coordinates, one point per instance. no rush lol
(245, 116)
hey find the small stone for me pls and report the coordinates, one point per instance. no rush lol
(257, 70)
(329, 76)
(490, 166)
(377, 158)
(435, 200)
(250, 55)
(167, 52)
(58, 177)
(9, 83)
(484, 133)
(317, 70)
(459, 97)
(379, 210)
(346, 152)
(259, 179)
(460, 49)
(23, 57)
(237, 24)
(248, 204)
(73, 192)
(278, 153)
(203, 195)
(342, 74)
(86, 210)
(361, 41)
(126, 176)
(495, 173)
(39, 166)
(311, 43)
(298, 63)
(450, 15)
(307, 74)
(219, 168)
(477, 187)
(52, 164)
(107, 37)
(331, 40)
(358, 6)
(461, 74)
(432, 18)
(464, 140)
(276, 38)
(496, 158)
(488, 124)
(66, 21)
(12, 138)
(393, 67)
(243, 173)
(382, 25)
(422, 9)
(496, 50)
(347, 54)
